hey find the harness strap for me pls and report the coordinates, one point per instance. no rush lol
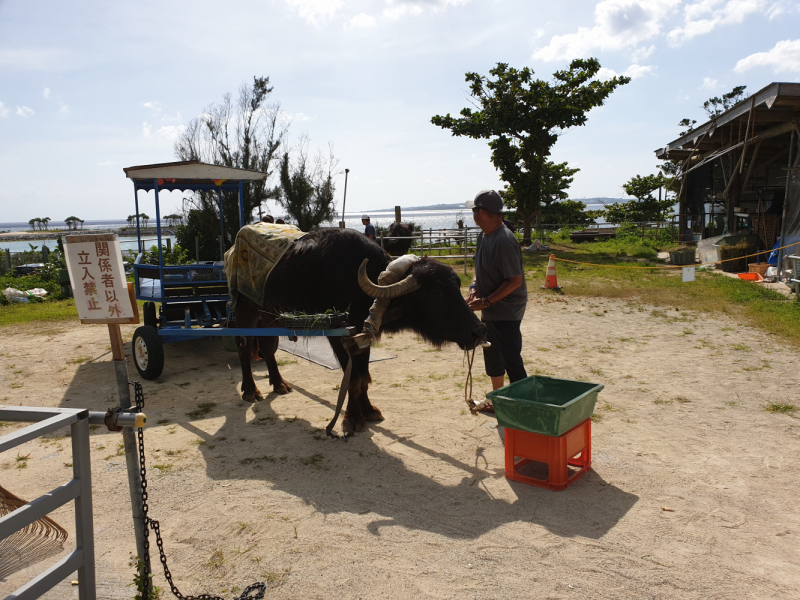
(342, 393)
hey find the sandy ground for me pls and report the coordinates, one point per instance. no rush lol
(693, 491)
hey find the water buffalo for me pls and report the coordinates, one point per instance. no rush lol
(398, 247)
(320, 272)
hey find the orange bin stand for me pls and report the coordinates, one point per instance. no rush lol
(573, 449)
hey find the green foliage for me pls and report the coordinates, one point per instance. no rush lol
(73, 223)
(571, 212)
(245, 134)
(139, 579)
(646, 207)
(522, 118)
(202, 224)
(307, 188)
(716, 106)
(46, 278)
(176, 256)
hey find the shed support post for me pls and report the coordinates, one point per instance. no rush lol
(397, 214)
(792, 141)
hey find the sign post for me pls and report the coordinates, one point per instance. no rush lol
(103, 296)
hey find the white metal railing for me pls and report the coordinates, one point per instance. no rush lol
(79, 489)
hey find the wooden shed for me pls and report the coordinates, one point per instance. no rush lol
(739, 170)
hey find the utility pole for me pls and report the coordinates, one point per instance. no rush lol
(344, 201)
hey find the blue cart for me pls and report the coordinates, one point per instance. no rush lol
(193, 299)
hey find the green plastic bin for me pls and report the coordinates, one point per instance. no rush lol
(544, 405)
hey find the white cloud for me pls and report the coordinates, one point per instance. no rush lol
(154, 106)
(634, 72)
(642, 53)
(106, 163)
(785, 56)
(619, 25)
(64, 109)
(3, 110)
(537, 34)
(363, 20)
(311, 10)
(301, 117)
(46, 93)
(165, 131)
(24, 111)
(710, 84)
(704, 16)
(398, 8)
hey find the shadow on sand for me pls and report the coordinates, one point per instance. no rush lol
(358, 476)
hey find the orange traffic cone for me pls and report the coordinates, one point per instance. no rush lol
(550, 281)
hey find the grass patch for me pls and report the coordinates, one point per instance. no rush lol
(164, 468)
(21, 314)
(711, 292)
(315, 460)
(780, 407)
(201, 411)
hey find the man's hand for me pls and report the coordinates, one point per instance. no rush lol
(475, 304)
(473, 293)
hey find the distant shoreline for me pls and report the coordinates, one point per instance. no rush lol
(25, 236)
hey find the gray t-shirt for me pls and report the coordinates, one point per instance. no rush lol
(498, 258)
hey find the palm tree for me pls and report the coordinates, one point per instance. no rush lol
(32, 223)
(145, 218)
(45, 221)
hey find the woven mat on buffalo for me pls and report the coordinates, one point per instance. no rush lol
(257, 250)
(39, 540)
(318, 351)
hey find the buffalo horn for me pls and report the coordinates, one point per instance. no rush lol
(406, 286)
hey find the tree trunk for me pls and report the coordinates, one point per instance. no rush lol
(527, 221)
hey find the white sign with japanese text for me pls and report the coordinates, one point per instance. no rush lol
(98, 280)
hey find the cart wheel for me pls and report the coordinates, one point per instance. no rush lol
(149, 311)
(148, 352)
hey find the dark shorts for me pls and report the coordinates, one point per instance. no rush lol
(504, 355)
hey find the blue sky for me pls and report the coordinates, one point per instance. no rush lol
(87, 88)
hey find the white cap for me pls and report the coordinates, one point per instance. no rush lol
(365, 217)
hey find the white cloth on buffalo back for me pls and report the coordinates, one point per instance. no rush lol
(257, 250)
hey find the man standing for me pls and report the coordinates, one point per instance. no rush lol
(498, 289)
(369, 230)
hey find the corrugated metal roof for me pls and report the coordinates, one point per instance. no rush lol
(774, 96)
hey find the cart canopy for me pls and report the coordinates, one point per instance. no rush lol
(190, 175)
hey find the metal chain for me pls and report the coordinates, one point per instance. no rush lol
(259, 588)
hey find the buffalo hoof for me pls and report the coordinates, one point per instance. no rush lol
(282, 388)
(351, 426)
(374, 416)
(252, 396)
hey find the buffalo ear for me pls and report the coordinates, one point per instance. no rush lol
(394, 313)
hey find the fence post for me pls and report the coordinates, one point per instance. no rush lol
(197, 248)
(642, 231)
(8, 260)
(466, 232)
(84, 530)
(382, 248)
(397, 214)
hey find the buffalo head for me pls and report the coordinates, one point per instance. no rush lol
(428, 301)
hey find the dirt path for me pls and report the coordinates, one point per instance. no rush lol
(692, 493)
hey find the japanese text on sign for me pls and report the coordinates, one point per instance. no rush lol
(98, 278)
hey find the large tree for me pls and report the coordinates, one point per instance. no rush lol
(307, 186)
(522, 118)
(246, 134)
